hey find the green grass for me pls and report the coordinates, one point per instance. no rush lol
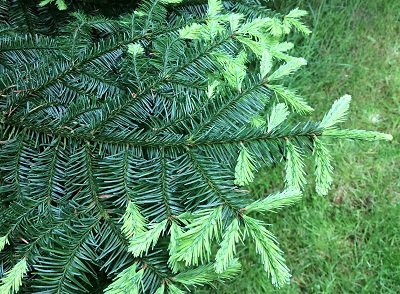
(349, 241)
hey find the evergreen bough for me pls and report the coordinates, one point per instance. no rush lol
(125, 143)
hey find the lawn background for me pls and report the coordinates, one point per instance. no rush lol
(348, 241)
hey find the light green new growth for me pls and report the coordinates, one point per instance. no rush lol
(254, 29)
(214, 8)
(172, 289)
(358, 135)
(266, 63)
(135, 49)
(279, 113)
(176, 232)
(128, 281)
(205, 274)
(60, 4)
(244, 170)
(212, 26)
(275, 27)
(288, 68)
(266, 247)
(295, 174)
(133, 221)
(282, 47)
(234, 20)
(227, 250)
(257, 34)
(258, 121)
(3, 242)
(275, 202)
(12, 280)
(296, 13)
(323, 168)
(194, 32)
(292, 99)
(141, 242)
(292, 19)
(235, 69)
(161, 289)
(337, 113)
(195, 245)
(279, 51)
(211, 88)
(170, 1)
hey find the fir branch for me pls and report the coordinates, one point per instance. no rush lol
(128, 281)
(292, 99)
(287, 69)
(226, 252)
(12, 280)
(221, 110)
(205, 275)
(133, 221)
(158, 82)
(121, 119)
(295, 175)
(271, 255)
(210, 182)
(203, 109)
(337, 113)
(244, 170)
(278, 115)
(3, 242)
(93, 54)
(172, 289)
(357, 135)
(323, 168)
(194, 246)
(141, 242)
(275, 202)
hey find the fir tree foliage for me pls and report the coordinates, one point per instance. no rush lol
(195, 244)
(142, 241)
(3, 242)
(275, 201)
(128, 281)
(323, 168)
(133, 221)
(244, 170)
(267, 248)
(277, 116)
(61, 5)
(125, 143)
(295, 173)
(337, 113)
(225, 254)
(206, 274)
(12, 280)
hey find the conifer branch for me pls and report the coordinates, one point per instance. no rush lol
(227, 250)
(275, 202)
(224, 200)
(194, 246)
(119, 142)
(323, 168)
(12, 280)
(271, 255)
